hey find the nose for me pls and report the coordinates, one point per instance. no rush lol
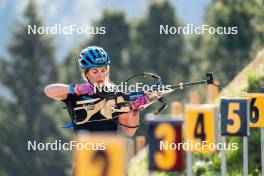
(101, 75)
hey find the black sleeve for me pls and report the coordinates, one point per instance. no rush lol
(68, 98)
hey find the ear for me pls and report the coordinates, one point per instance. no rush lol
(84, 71)
(107, 67)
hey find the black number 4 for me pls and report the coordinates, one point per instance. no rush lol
(200, 123)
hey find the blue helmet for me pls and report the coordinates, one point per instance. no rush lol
(93, 56)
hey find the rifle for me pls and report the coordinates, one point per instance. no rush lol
(112, 104)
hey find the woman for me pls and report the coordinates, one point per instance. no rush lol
(94, 65)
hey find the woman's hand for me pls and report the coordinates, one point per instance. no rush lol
(84, 88)
(132, 118)
(60, 91)
(139, 102)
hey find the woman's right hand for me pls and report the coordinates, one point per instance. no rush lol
(85, 88)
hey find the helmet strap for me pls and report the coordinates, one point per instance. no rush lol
(86, 76)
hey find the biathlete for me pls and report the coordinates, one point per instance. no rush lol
(94, 64)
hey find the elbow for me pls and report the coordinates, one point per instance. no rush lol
(50, 92)
(47, 90)
(56, 92)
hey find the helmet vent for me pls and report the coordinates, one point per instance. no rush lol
(91, 52)
(83, 62)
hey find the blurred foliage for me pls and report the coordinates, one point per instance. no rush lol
(228, 54)
(24, 117)
(162, 54)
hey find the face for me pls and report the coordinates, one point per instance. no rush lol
(97, 75)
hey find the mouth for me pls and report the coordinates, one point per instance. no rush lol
(99, 82)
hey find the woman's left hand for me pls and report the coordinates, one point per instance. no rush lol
(141, 100)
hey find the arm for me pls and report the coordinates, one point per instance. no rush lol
(57, 91)
(130, 119)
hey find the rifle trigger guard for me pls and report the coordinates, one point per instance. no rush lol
(163, 106)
